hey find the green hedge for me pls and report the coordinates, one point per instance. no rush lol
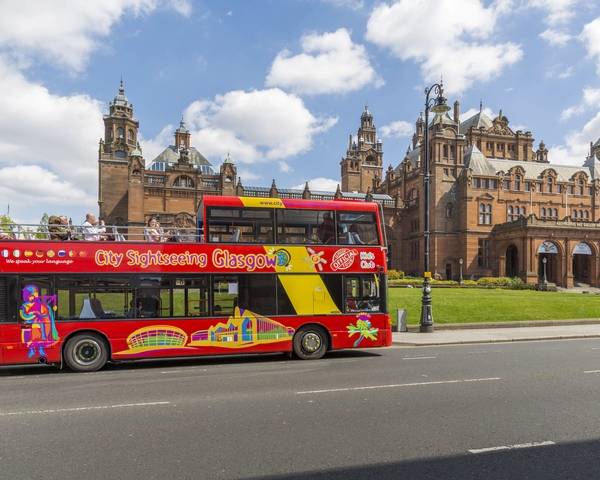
(484, 282)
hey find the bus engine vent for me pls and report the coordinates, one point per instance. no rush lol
(3, 299)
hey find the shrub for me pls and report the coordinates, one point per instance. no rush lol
(494, 282)
(395, 274)
(469, 283)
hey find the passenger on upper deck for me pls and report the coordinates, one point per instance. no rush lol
(326, 230)
(90, 229)
(153, 232)
(59, 228)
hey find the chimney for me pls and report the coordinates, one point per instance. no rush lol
(456, 112)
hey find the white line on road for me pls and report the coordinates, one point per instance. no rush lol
(591, 371)
(415, 358)
(512, 447)
(398, 385)
(82, 409)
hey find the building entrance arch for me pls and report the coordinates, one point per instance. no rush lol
(582, 259)
(512, 261)
(548, 262)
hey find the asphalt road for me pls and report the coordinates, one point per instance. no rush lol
(493, 411)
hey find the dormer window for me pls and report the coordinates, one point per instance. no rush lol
(550, 185)
(580, 187)
(518, 182)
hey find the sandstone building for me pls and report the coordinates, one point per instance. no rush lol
(498, 207)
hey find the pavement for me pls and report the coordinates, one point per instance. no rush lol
(495, 412)
(493, 335)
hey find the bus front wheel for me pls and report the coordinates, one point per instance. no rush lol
(86, 352)
(310, 343)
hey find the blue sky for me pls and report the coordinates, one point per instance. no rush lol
(278, 83)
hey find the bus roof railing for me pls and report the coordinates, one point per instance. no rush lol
(117, 233)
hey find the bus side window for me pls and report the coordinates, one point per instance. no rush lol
(225, 294)
(357, 228)
(362, 293)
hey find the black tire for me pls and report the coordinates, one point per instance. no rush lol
(86, 352)
(311, 342)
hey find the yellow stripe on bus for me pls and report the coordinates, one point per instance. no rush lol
(307, 292)
(257, 202)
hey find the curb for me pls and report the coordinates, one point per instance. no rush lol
(509, 324)
(500, 340)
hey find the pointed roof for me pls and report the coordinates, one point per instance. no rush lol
(120, 99)
(476, 161)
(478, 120)
(182, 128)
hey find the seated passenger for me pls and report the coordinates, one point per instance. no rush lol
(353, 236)
(326, 229)
(152, 232)
(59, 228)
(91, 230)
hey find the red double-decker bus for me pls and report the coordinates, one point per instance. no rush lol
(258, 275)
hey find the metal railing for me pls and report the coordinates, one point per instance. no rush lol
(109, 233)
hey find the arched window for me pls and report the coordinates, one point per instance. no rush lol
(130, 136)
(555, 213)
(580, 187)
(518, 182)
(183, 182)
(509, 213)
(120, 132)
(120, 154)
(587, 215)
(550, 183)
(543, 212)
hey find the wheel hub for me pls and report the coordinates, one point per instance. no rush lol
(311, 342)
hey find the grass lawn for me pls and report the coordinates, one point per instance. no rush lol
(454, 305)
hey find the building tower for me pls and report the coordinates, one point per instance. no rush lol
(114, 155)
(362, 168)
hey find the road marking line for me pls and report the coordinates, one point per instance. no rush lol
(398, 385)
(415, 358)
(591, 371)
(82, 409)
(513, 447)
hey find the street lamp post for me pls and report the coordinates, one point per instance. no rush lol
(438, 105)
(544, 262)
(460, 277)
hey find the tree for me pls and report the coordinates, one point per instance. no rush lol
(42, 230)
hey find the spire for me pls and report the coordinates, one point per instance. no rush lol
(121, 86)
(338, 192)
(273, 192)
(480, 105)
(306, 192)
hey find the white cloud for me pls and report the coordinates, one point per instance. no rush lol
(329, 63)
(463, 56)
(397, 129)
(152, 147)
(247, 175)
(561, 72)
(589, 99)
(555, 38)
(352, 4)
(57, 135)
(473, 111)
(557, 11)
(257, 125)
(66, 31)
(577, 144)
(591, 39)
(320, 183)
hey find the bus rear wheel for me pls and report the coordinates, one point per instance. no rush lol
(86, 352)
(310, 343)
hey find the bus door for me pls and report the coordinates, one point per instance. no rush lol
(11, 344)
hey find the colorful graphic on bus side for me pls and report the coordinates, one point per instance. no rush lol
(37, 311)
(363, 328)
(243, 329)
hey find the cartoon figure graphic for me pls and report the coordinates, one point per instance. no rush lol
(363, 327)
(39, 315)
